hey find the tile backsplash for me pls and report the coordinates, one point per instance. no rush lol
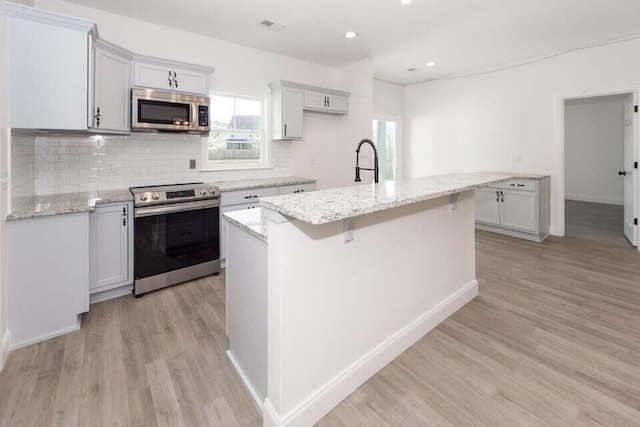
(74, 164)
(23, 165)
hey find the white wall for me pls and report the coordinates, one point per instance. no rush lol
(510, 120)
(4, 168)
(594, 134)
(244, 70)
(388, 100)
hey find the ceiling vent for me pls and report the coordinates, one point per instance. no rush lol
(270, 25)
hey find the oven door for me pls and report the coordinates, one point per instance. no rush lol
(174, 237)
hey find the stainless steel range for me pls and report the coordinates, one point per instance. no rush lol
(176, 234)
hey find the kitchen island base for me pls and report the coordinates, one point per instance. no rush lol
(347, 297)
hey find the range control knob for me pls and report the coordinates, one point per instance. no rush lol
(212, 191)
(143, 197)
(203, 192)
(155, 196)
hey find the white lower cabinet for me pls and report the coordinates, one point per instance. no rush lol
(488, 206)
(518, 208)
(48, 275)
(111, 248)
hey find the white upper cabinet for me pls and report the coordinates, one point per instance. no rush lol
(48, 57)
(326, 102)
(286, 111)
(289, 101)
(112, 86)
(158, 73)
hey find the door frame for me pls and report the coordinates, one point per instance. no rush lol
(560, 155)
(399, 153)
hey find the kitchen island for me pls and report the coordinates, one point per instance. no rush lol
(355, 276)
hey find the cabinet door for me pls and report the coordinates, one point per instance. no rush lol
(112, 80)
(47, 74)
(292, 105)
(109, 247)
(191, 81)
(338, 104)
(152, 76)
(519, 210)
(487, 206)
(315, 100)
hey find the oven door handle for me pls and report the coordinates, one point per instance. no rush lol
(178, 207)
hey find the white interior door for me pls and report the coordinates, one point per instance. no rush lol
(630, 126)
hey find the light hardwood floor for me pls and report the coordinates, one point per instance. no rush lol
(552, 339)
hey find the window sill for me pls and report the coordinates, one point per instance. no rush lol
(233, 167)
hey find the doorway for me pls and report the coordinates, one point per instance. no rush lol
(386, 136)
(599, 138)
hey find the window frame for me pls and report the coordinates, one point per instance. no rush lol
(265, 145)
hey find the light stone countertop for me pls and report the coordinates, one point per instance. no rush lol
(249, 220)
(321, 207)
(57, 204)
(247, 184)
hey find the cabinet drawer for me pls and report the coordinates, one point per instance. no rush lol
(295, 189)
(246, 196)
(519, 184)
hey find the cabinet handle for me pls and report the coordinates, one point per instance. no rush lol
(98, 117)
(328, 101)
(124, 216)
(497, 195)
(502, 196)
(325, 101)
(170, 79)
(175, 79)
(285, 130)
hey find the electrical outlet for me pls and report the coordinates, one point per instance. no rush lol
(111, 167)
(192, 163)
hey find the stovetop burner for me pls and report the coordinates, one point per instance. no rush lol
(174, 193)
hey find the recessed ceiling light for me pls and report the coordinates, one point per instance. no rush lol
(405, 1)
(351, 34)
(431, 64)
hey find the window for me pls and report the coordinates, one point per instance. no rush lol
(385, 136)
(238, 138)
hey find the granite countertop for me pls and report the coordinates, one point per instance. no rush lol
(55, 204)
(321, 207)
(247, 184)
(249, 220)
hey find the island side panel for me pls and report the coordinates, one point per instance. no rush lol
(246, 308)
(339, 311)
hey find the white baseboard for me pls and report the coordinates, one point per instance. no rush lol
(328, 396)
(246, 381)
(4, 348)
(594, 199)
(17, 345)
(110, 294)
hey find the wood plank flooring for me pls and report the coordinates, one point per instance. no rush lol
(552, 339)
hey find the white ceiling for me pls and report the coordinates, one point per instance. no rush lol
(461, 35)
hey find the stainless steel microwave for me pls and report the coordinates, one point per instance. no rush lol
(160, 110)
